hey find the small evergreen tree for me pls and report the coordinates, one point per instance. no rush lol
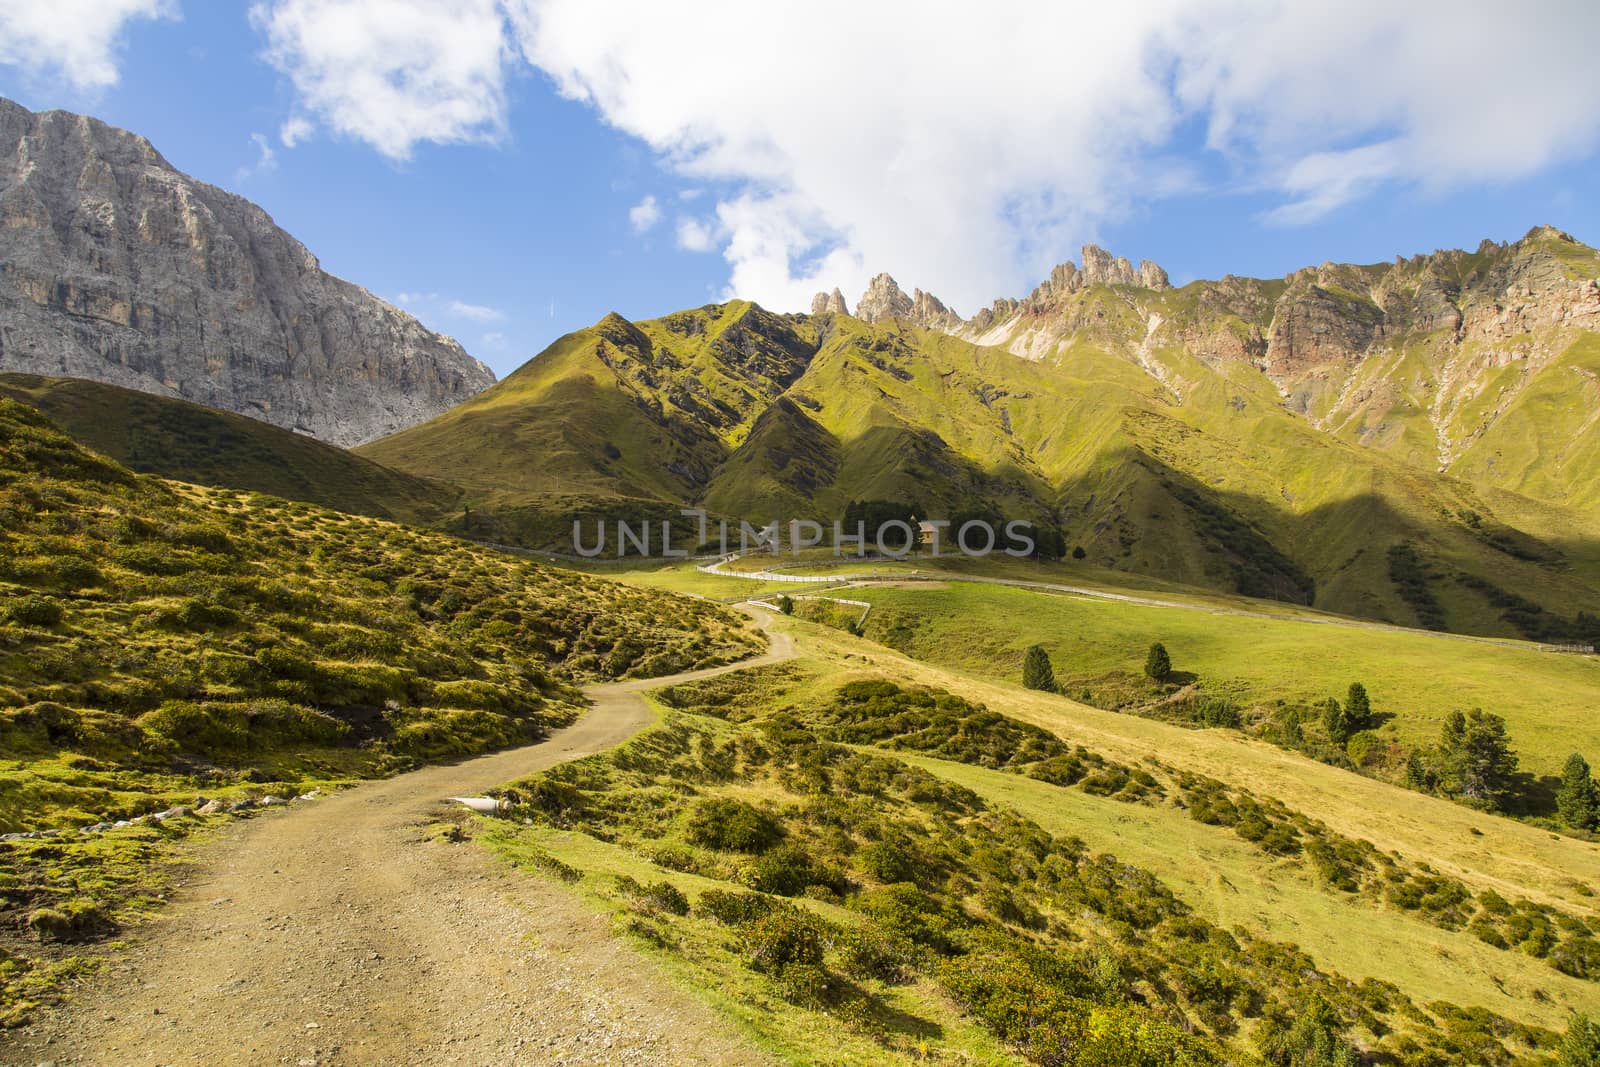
(1580, 1047)
(1292, 736)
(1578, 799)
(1476, 760)
(1036, 670)
(1336, 720)
(1357, 708)
(786, 604)
(1158, 665)
(1418, 774)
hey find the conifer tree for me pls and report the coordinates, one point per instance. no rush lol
(1358, 708)
(1036, 670)
(1476, 757)
(1336, 721)
(1580, 1046)
(1578, 799)
(1158, 665)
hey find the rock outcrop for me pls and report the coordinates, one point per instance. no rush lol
(829, 303)
(928, 310)
(1099, 268)
(884, 299)
(116, 267)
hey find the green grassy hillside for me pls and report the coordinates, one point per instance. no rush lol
(161, 640)
(863, 871)
(1098, 648)
(190, 443)
(1178, 468)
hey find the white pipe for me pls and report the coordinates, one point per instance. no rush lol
(481, 805)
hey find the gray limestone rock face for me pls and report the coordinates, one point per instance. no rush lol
(116, 267)
(829, 303)
(883, 300)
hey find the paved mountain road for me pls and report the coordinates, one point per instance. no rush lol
(336, 933)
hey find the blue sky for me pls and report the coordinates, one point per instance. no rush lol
(516, 217)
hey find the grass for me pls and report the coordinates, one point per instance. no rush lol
(683, 578)
(1489, 851)
(1233, 884)
(1418, 677)
(624, 815)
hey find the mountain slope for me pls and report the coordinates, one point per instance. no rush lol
(1438, 360)
(1154, 460)
(191, 443)
(121, 269)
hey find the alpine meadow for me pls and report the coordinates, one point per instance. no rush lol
(1163, 666)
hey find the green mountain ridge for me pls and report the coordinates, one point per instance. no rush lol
(1186, 434)
(1192, 435)
(188, 442)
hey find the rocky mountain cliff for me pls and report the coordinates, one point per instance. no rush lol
(116, 267)
(1454, 361)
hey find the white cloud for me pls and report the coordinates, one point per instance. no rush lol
(1331, 102)
(392, 73)
(266, 158)
(475, 312)
(644, 215)
(295, 130)
(696, 236)
(966, 151)
(74, 39)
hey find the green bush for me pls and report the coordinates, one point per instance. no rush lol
(788, 870)
(887, 862)
(734, 909)
(733, 826)
(877, 955)
(223, 729)
(658, 896)
(781, 939)
(33, 611)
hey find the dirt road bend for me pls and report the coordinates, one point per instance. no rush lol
(337, 933)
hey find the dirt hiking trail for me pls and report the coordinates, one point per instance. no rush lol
(336, 933)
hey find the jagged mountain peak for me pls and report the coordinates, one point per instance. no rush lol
(883, 299)
(830, 303)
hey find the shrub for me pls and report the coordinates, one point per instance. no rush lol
(877, 955)
(218, 729)
(658, 896)
(734, 909)
(196, 614)
(788, 869)
(33, 611)
(781, 939)
(887, 862)
(733, 825)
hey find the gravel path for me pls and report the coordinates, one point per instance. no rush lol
(336, 933)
